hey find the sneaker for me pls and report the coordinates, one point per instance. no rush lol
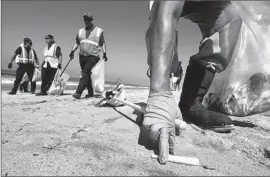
(89, 95)
(76, 95)
(12, 92)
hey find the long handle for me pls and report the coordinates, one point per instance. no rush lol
(65, 68)
(132, 105)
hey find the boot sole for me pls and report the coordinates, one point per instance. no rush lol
(217, 129)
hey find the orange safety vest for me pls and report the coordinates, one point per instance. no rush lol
(90, 45)
(24, 57)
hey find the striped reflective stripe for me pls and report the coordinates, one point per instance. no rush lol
(26, 59)
(89, 41)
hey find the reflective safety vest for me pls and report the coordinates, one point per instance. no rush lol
(50, 56)
(90, 45)
(24, 57)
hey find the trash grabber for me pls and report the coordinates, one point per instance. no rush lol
(179, 123)
(65, 68)
(132, 105)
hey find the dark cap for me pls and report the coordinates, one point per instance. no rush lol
(49, 36)
(88, 16)
(27, 39)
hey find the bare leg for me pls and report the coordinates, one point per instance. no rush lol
(161, 109)
(160, 39)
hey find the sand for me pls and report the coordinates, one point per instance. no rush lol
(51, 135)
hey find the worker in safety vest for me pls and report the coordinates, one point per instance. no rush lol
(219, 23)
(91, 41)
(27, 60)
(53, 60)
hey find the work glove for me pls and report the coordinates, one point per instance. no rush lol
(105, 57)
(71, 55)
(59, 66)
(9, 65)
(159, 120)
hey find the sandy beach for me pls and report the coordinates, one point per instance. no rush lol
(58, 135)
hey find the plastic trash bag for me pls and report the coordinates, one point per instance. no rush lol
(98, 77)
(120, 94)
(37, 75)
(25, 78)
(59, 83)
(244, 87)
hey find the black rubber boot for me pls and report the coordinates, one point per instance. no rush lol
(197, 81)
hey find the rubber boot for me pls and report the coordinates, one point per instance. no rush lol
(197, 81)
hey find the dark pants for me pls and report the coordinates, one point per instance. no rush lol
(86, 63)
(24, 86)
(47, 76)
(22, 69)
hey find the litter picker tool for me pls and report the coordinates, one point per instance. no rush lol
(65, 68)
(111, 95)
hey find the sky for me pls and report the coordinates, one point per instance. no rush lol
(124, 23)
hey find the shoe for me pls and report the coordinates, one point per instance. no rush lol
(26, 91)
(89, 95)
(76, 95)
(12, 92)
(197, 81)
(32, 92)
(41, 93)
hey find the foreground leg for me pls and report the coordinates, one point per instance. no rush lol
(161, 110)
(19, 75)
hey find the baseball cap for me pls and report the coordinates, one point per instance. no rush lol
(88, 16)
(49, 36)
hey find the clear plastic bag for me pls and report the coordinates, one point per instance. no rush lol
(37, 75)
(25, 78)
(244, 87)
(120, 94)
(98, 77)
(59, 83)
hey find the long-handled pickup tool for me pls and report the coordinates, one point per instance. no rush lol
(111, 94)
(65, 68)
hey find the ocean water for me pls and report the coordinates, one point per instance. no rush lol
(7, 84)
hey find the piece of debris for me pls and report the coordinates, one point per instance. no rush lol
(266, 153)
(35, 154)
(208, 168)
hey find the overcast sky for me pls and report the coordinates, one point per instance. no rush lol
(124, 24)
